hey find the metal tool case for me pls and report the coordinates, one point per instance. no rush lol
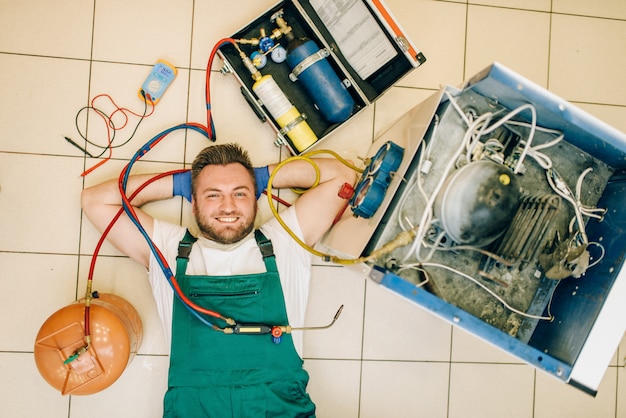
(357, 44)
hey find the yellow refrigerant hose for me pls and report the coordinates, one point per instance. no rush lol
(402, 239)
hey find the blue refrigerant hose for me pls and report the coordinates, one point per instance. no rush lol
(167, 271)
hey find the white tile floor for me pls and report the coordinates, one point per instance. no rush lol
(384, 358)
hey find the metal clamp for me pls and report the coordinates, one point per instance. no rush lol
(307, 62)
(288, 127)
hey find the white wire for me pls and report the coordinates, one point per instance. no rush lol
(542, 159)
(416, 266)
(458, 108)
(531, 134)
(579, 182)
(424, 223)
(435, 246)
(429, 147)
(603, 252)
(413, 182)
(486, 289)
(474, 139)
(567, 195)
(549, 144)
(592, 212)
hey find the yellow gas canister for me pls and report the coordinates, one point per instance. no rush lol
(116, 333)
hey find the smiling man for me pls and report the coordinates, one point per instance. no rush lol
(254, 276)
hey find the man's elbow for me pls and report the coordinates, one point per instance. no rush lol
(87, 200)
(95, 207)
(348, 175)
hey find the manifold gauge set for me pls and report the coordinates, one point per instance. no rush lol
(372, 186)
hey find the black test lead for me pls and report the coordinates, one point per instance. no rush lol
(79, 147)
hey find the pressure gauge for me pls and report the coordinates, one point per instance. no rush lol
(279, 54)
(258, 59)
(367, 198)
(371, 188)
(387, 159)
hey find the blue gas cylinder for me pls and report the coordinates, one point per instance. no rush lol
(320, 81)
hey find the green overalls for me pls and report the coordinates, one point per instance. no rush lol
(213, 374)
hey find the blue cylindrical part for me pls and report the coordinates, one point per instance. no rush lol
(322, 84)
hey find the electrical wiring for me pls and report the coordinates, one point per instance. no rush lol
(531, 134)
(426, 219)
(108, 119)
(533, 151)
(588, 211)
(486, 289)
(402, 219)
(477, 127)
(548, 144)
(414, 182)
(433, 135)
(418, 267)
(602, 253)
(111, 128)
(487, 129)
(554, 180)
(557, 184)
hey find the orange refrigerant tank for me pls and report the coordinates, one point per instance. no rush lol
(116, 334)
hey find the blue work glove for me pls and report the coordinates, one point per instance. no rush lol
(182, 182)
(262, 176)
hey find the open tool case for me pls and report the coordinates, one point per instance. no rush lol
(330, 58)
(504, 255)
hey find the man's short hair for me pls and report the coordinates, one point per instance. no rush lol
(221, 154)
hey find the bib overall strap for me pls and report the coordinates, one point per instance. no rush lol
(185, 245)
(184, 249)
(267, 250)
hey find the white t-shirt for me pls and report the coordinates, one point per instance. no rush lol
(213, 259)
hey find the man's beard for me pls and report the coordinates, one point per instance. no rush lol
(228, 235)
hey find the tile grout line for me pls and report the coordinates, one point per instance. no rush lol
(82, 217)
(361, 361)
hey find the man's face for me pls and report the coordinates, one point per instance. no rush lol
(224, 203)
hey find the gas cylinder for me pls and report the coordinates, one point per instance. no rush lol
(287, 116)
(116, 334)
(309, 65)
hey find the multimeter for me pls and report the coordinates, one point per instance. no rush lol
(159, 79)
